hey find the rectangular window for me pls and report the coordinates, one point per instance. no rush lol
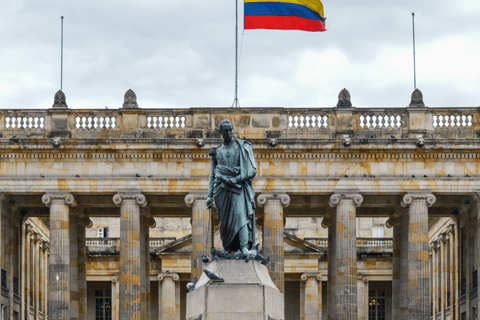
(376, 305)
(102, 232)
(4, 279)
(103, 305)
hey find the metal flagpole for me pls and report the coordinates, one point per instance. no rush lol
(236, 103)
(61, 62)
(414, 64)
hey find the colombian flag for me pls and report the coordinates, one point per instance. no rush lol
(304, 15)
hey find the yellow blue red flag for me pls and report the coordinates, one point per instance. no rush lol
(304, 15)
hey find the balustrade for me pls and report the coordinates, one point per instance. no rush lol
(307, 121)
(96, 122)
(24, 121)
(367, 242)
(449, 120)
(165, 122)
(384, 119)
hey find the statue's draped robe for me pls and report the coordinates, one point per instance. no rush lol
(235, 205)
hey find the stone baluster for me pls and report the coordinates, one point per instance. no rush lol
(418, 273)
(114, 298)
(168, 294)
(344, 256)
(395, 223)
(273, 244)
(362, 295)
(132, 272)
(309, 295)
(201, 231)
(59, 260)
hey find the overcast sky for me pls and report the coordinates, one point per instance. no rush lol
(181, 53)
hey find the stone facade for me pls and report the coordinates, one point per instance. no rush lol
(330, 181)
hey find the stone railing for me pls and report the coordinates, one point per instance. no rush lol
(365, 242)
(360, 125)
(107, 246)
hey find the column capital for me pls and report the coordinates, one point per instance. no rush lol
(440, 239)
(66, 197)
(282, 197)
(465, 208)
(129, 195)
(149, 219)
(362, 277)
(115, 279)
(450, 230)
(46, 245)
(418, 196)
(195, 195)
(392, 222)
(335, 198)
(316, 275)
(83, 219)
(164, 275)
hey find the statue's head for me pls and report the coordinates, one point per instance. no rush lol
(226, 130)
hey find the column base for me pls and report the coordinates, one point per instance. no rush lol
(247, 293)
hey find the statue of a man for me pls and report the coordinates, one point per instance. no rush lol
(233, 169)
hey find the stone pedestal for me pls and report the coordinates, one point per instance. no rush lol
(247, 293)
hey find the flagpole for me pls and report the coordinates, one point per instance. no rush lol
(236, 103)
(414, 63)
(61, 61)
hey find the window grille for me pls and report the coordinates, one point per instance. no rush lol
(376, 305)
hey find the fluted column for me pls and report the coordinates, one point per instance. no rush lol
(476, 231)
(23, 301)
(83, 222)
(344, 254)
(36, 278)
(28, 274)
(457, 269)
(168, 295)
(114, 298)
(46, 248)
(147, 221)
(395, 223)
(74, 298)
(201, 231)
(309, 295)
(132, 272)
(418, 273)
(59, 260)
(273, 246)
(327, 223)
(443, 275)
(451, 273)
(434, 289)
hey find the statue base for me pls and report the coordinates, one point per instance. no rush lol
(248, 293)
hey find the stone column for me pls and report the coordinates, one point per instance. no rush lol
(434, 289)
(44, 276)
(201, 231)
(418, 273)
(132, 272)
(273, 234)
(114, 298)
(40, 276)
(309, 295)
(451, 274)
(362, 294)
(47, 276)
(28, 274)
(167, 294)
(36, 279)
(74, 297)
(83, 222)
(59, 261)
(23, 278)
(457, 269)
(344, 254)
(443, 273)
(147, 221)
(395, 223)
(476, 246)
(327, 223)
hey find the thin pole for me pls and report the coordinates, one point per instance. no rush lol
(236, 103)
(414, 63)
(61, 62)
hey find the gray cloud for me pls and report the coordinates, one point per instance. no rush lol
(181, 54)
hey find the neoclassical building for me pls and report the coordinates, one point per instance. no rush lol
(365, 213)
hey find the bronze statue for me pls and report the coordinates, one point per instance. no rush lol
(233, 169)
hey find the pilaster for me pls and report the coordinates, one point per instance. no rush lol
(114, 298)
(83, 222)
(362, 295)
(344, 256)
(418, 272)
(451, 273)
(132, 271)
(168, 296)
(201, 231)
(59, 260)
(273, 245)
(443, 273)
